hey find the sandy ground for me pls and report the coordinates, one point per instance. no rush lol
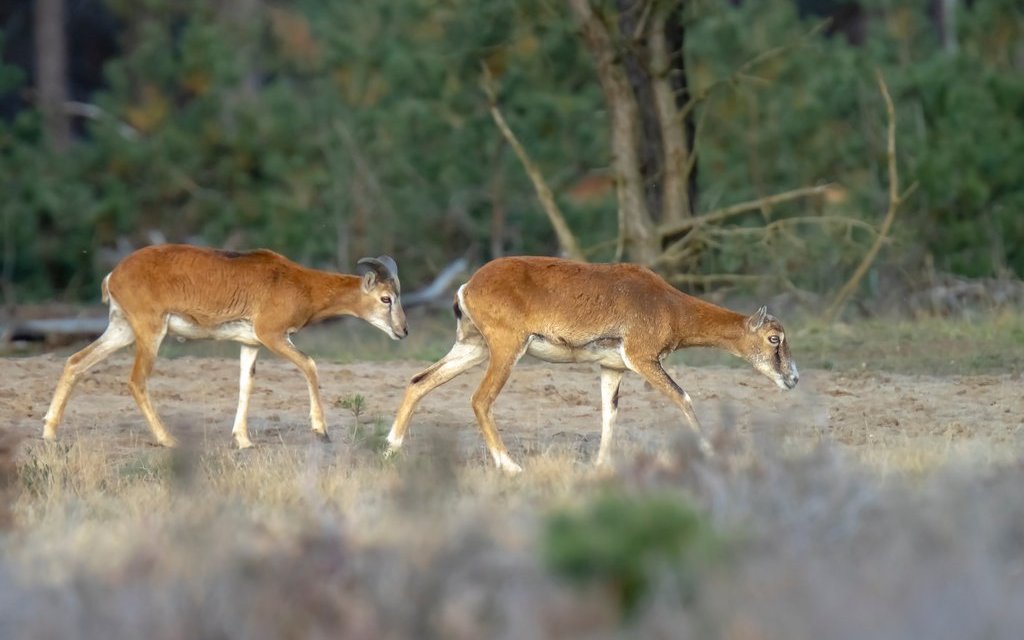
(884, 419)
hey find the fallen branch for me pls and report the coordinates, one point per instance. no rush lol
(547, 200)
(895, 198)
(46, 329)
(439, 287)
(94, 112)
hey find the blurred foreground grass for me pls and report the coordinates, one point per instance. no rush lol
(323, 541)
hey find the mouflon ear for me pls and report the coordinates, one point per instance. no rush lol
(383, 268)
(369, 280)
(757, 319)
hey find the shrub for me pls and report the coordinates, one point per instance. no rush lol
(628, 543)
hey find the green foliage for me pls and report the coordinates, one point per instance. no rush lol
(371, 437)
(812, 114)
(325, 130)
(355, 403)
(320, 130)
(968, 158)
(628, 543)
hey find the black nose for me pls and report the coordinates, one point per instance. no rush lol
(405, 331)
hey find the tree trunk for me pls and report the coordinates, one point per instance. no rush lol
(637, 238)
(675, 196)
(944, 16)
(51, 71)
(675, 37)
(632, 50)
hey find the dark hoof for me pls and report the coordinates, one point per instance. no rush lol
(322, 437)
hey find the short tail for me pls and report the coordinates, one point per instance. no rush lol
(105, 290)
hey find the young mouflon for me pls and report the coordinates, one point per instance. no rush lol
(255, 298)
(620, 316)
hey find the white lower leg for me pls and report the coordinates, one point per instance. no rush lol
(691, 418)
(610, 379)
(504, 462)
(316, 410)
(316, 415)
(394, 444)
(247, 367)
(60, 398)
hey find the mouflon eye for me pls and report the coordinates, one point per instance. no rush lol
(774, 339)
(385, 299)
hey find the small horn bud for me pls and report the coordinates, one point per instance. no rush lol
(383, 267)
(757, 319)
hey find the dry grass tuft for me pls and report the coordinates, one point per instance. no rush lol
(8, 476)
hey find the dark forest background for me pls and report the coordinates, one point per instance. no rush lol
(333, 130)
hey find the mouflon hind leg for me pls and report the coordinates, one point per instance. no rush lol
(464, 355)
(118, 335)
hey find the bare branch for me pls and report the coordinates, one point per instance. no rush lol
(438, 288)
(641, 23)
(796, 220)
(894, 202)
(566, 239)
(94, 112)
(739, 208)
(600, 246)
(717, 278)
(683, 249)
(678, 254)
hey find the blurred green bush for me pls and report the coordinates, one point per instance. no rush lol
(628, 544)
